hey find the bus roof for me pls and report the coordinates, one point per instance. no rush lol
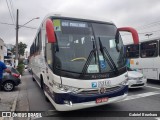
(76, 17)
(145, 40)
(150, 39)
(80, 17)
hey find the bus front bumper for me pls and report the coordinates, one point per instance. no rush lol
(68, 101)
(67, 107)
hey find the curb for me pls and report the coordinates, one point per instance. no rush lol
(13, 107)
(15, 103)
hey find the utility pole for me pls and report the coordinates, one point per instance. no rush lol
(17, 27)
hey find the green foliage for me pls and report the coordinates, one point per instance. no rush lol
(20, 68)
(21, 48)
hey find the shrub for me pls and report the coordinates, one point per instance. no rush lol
(20, 68)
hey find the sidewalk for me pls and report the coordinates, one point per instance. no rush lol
(16, 100)
(8, 100)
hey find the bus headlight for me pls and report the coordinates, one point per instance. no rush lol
(125, 82)
(131, 78)
(65, 88)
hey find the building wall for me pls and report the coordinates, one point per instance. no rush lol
(1, 50)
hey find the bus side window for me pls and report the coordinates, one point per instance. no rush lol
(132, 51)
(149, 49)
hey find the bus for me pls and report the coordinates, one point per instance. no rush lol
(144, 57)
(79, 62)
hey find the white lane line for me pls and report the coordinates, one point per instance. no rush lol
(158, 88)
(158, 118)
(131, 97)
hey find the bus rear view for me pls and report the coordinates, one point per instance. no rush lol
(84, 61)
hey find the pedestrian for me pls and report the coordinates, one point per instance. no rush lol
(2, 68)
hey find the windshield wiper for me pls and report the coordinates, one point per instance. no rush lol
(92, 52)
(108, 57)
(88, 60)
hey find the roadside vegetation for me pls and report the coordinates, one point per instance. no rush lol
(20, 67)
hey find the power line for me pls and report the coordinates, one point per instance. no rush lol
(149, 25)
(12, 9)
(19, 25)
(143, 32)
(150, 32)
(10, 12)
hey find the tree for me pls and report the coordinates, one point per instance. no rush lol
(21, 48)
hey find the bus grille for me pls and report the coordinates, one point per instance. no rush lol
(140, 78)
(97, 91)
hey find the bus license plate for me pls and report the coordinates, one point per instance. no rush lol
(100, 100)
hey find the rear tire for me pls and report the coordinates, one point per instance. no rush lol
(8, 86)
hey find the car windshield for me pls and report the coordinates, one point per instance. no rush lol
(76, 40)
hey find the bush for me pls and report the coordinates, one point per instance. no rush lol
(20, 68)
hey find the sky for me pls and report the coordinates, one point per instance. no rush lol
(143, 15)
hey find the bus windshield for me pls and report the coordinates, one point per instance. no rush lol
(76, 41)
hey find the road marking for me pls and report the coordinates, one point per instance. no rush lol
(153, 87)
(158, 118)
(131, 97)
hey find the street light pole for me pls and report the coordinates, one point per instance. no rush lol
(148, 34)
(28, 22)
(17, 27)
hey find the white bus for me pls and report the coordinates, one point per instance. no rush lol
(79, 63)
(145, 57)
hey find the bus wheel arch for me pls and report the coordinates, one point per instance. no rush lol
(32, 77)
(42, 82)
(42, 87)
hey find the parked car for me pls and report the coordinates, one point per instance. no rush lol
(136, 79)
(9, 81)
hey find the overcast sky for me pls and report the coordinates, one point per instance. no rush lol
(144, 15)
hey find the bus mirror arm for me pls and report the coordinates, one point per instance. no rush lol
(56, 48)
(132, 31)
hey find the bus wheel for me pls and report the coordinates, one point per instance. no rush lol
(33, 77)
(46, 98)
(43, 87)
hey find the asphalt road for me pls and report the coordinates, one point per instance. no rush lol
(143, 99)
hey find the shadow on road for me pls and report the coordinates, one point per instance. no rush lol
(156, 82)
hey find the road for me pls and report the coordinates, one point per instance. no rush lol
(143, 99)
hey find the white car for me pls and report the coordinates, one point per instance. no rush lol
(136, 79)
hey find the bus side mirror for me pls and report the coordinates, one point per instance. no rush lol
(132, 31)
(50, 31)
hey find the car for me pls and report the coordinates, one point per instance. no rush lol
(10, 80)
(136, 79)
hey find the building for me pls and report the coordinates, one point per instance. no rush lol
(9, 58)
(1, 50)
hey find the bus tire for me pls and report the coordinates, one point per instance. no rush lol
(33, 77)
(42, 87)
